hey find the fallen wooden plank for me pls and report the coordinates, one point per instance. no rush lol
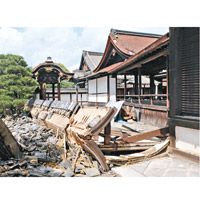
(127, 146)
(147, 135)
(129, 128)
(76, 158)
(137, 157)
(92, 148)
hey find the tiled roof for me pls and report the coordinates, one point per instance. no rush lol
(117, 66)
(91, 59)
(126, 44)
(105, 70)
(131, 44)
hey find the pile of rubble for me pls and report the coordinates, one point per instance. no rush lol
(46, 154)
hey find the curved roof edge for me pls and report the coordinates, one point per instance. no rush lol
(110, 41)
(52, 64)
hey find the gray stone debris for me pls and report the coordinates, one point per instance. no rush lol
(68, 173)
(66, 164)
(43, 155)
(92, 172)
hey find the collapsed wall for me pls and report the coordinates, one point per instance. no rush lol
(8, 145)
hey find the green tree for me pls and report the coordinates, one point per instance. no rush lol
(64, 84)
(63, 66)
(16, 83)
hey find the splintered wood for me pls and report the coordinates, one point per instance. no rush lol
(137, 157)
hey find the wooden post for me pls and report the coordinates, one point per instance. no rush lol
(124, 87)
(53, 91)
(40, 86)
(108, 88)
(139, 87)
(96, 92)
(167, 77)
(77, 93)
(44, 91)
(58, 91)
(107, 133)
(136, 84)
(70, 97)
(152, 86)
(116, 86)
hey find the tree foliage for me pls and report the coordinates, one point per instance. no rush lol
(64, 84)
(16, 83)
(63, 66)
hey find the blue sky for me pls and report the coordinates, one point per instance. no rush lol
(63, 44)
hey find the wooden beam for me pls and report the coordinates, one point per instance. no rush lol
(139, 86)
(167, 87)
(107, 133)
(53, 91)
(108, 88)
(136, 84)
(116, 87)
(147, 135)
(152, 86)
(96, 91)
(58, 91)
(124, 87)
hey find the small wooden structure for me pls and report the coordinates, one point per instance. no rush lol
(50, 73)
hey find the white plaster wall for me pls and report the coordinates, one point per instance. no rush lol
(102, 88)
(112, 89)
(188, 139)
(92, 98)
(102, 85)
(102, 98)
(91, 89)
(84, 97)
(92, 86)
(65, 97)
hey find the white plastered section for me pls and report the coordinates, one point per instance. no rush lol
(187, 139)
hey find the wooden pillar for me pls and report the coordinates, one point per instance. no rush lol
(125, 87)
(40, 87)
(77, 93)
(152, 85)
(58, 91)
(136, 84)
(108, 88)
(139, 86)
(43, 91)
(167, 77)
(53, 91)
(116, 86)
(96, 92)
(107, 133)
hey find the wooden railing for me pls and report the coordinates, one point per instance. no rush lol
(151, 99)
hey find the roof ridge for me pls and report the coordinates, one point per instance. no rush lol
(92, 52)
(117, 31)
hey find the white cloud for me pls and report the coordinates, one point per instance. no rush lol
(63, 44)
